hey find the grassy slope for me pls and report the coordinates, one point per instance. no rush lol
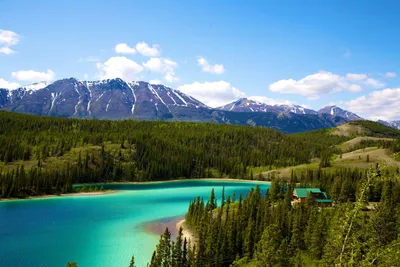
(359, 130)
(347, 145)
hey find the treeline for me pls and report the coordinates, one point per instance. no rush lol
(96, 166)
(342, 184)
(393, 145)
(140, 151)
(267, 230)
(376, 129)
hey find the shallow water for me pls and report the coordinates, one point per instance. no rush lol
(103, 230)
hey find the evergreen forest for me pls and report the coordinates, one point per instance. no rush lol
(46, 155)
(266, 229)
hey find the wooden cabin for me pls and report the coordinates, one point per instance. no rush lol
(300, 195)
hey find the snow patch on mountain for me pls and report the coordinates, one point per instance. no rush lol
(36, 86)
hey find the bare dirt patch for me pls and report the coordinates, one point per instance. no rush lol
(348, 130)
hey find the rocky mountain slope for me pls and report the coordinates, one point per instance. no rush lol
(248, 105)
(118, 99)
(335, 111)
(108, 99)
(393, 124)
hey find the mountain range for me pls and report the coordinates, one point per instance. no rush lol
(118, 99)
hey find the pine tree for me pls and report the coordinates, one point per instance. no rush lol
(132, 263)
(177, 250)
(184, 260)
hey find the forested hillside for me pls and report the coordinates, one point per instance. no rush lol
(43, 155)
(266, 229)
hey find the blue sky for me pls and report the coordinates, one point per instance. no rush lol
(312, 53)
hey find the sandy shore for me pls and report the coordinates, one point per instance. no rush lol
(173, 224)
(186, 232)
(80, 194)
(158, 227)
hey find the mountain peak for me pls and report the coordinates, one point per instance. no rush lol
(336, 111)
(249, 105)
(245, 105)
(36, 86)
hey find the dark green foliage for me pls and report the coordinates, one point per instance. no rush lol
(139, 151)
(71, 264)
(263, 231)
(171, 254)
(132, 263)
(341, 184)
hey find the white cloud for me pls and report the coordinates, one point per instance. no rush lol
(363, 79)
(8, 85)
(171, 78)
(383, 104)
(155, 82)
(6, 50)
(206, 67)
(85, 76)
(213, 94)
(34, 76)
(8, 39)
(89, 59)
(164, 66)
(390, 75)
(356, 76)
(270, 101)
(160, 65)
(324, 82)
(373, 83)
(144, 49)
(119, 67)
(124, 48)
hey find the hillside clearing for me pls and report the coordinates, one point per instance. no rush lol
(358, 158)
(346, 145)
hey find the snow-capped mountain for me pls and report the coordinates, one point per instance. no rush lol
(335, 111)
(248, 105)
(111, 99)
(298, 109)
(118, 99)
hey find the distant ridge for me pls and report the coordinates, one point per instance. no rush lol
(117, 99)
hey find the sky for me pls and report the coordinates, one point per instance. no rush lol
(310, 53)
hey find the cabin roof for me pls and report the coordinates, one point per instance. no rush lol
(303, 192)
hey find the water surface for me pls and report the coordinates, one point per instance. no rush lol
(103, 230)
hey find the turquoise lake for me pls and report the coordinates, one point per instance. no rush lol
(103, 230)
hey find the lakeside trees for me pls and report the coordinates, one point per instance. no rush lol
(264, 229)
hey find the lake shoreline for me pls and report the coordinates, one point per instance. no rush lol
(76, 194)
(98, 193)
(186, 232)
(158, 228)
(180, 180)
